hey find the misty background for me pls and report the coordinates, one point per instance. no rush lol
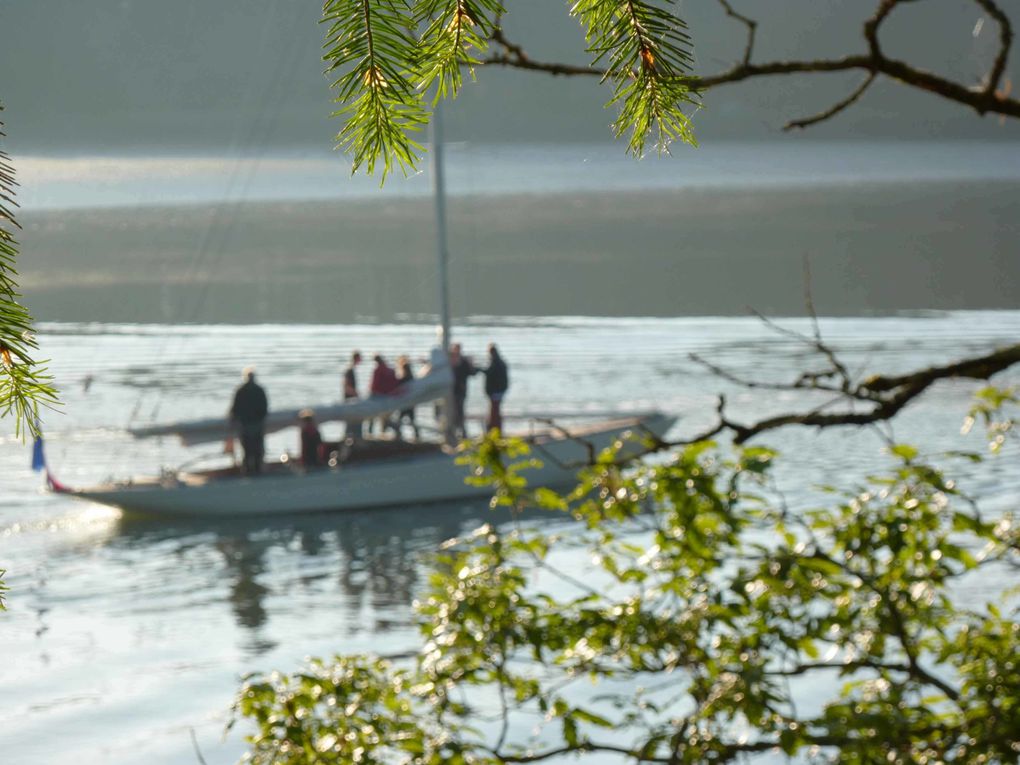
(920, 211)
(112, 75)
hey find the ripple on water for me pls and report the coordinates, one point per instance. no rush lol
(126, 633)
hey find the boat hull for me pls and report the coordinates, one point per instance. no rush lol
(410, 480)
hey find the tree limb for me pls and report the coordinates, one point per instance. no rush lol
(978, 368)
(988, 98)
(835, 109)
(887, 394)
(751, 25)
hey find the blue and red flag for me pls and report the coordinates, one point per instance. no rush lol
(38, 455)
(39, 463)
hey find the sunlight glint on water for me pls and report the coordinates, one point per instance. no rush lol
(126, 635)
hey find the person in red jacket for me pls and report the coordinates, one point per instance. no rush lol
(384, 383)
(311, 439)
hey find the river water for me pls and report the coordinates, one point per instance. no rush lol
(124, 639)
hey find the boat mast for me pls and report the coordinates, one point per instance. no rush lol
(439, 198)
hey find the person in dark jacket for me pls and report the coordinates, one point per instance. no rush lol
(497, 380)
(248, 412)
(462, 369)
(404, 376)
(349, 388)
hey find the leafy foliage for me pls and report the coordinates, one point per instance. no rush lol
(712, 617)
(25, 385)
(990, 403)
(388, 56)
(372, 724)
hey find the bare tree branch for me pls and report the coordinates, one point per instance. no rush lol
(832, 111)
(751, 25)
(1005, 42)
(978, 368)
(988, 98)
(888, 394)
(809, 380)
(819, 345)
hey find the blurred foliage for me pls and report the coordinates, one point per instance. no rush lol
(390, 58)
(714, 623)
(25, 384)
(990, 405)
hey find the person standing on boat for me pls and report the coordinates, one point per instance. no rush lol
(350, 391)
(497, 380)
(384, 383)
(249, 412)
(462, 369)
(311, 439)
(405, 376)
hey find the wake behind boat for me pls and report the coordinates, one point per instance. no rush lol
(373, 473)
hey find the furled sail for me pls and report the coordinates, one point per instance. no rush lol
(433, 385)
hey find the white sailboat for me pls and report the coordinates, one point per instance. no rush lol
(376, 474)
(368, 473)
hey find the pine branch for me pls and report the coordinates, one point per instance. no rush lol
(368, 44)
(25, 385)
(647, 55)
(455, 32)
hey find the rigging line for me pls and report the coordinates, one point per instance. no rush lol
(224, 218)
(242, 174)
(263, 126)
(201, 253)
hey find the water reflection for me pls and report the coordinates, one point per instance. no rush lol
(245, 563)
(365, 566)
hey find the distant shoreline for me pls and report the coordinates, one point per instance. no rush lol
(473, 170)
(874, 248)
(722, 188)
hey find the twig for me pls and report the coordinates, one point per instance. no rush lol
(887, 394)
(1005, 42)
(588, 445)
(820, 345)
(751, 25)
(194, 743)
(832, 111)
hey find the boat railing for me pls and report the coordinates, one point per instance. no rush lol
(188, 466)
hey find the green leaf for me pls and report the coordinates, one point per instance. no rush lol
(905, 452)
